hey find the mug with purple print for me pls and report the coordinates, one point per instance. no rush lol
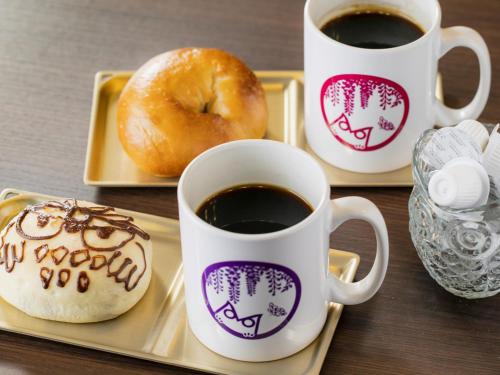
(260, 297)
(364, 108)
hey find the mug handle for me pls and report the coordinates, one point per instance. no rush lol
(348, 208)
(460, 36)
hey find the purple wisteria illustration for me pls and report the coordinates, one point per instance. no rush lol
(251, 299)
(277, 281)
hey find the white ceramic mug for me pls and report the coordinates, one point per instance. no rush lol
(260, 297)
(365, 108)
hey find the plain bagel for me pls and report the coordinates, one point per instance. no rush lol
(184, 102)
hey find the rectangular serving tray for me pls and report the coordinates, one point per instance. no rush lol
(108, 165)
(156, 328)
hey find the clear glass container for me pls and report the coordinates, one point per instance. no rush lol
(459, 248)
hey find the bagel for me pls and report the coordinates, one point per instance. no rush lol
(183, 102)
(73, 261)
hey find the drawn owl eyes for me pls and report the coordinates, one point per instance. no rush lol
(230, 314)
(360, 134)
(39, 226)
(47, 220)
(105, 238)
(248, 322)
(344, 125)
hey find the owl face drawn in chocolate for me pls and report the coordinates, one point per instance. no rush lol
(102, 232)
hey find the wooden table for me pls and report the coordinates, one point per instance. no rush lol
(49, 52)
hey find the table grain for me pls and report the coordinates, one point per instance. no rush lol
(49, 53)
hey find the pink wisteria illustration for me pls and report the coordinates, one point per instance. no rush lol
(347, 100)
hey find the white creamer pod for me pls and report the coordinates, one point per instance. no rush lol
(450, 143)
(491, 160)
(476, 130)
(462, 183)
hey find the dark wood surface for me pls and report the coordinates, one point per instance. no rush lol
(49, 52)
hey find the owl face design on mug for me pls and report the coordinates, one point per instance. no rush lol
(228, 316)
(251, 300)
(364, 112)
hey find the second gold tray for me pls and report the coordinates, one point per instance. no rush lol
(156, 329)
(107, 164)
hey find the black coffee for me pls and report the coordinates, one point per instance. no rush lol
(372, 28)
(254, 209)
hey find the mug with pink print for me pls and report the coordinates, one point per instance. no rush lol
(365, 107)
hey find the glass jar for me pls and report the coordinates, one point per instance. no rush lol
(459, 248)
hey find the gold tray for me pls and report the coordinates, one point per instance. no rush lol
(107, 164)
(156, 328)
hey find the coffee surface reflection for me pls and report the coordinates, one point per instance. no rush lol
(372, 29)
(254, 209)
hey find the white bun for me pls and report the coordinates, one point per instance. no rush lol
(58, 263)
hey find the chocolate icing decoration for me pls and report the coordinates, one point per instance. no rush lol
(63, 277)
(78, 257)
(119, 270)
(69, 208)
(46, 275)
(83, 282)
(41, 252)
(33, 209)
(14, 257)
(8, 252)
(126, 279)
(42, 220)
(73, 226)
(59, 254)
(104, 232)
(98, 261)
(74, 219)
